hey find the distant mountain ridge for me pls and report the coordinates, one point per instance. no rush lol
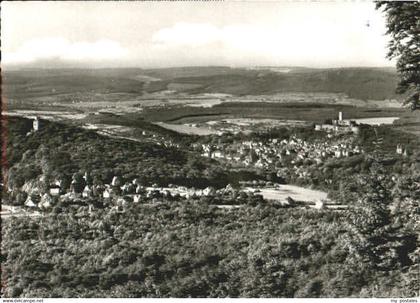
(366, 83)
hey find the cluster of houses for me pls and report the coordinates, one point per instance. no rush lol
(223, 127)
(116, 193)
(294, 150)
(119, 196)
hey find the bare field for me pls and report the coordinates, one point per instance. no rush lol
(318, 97)
(187, 129)
(295, 192)
(268, 122)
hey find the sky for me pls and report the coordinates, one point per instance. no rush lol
(166, 34)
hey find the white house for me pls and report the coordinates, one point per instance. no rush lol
(217, 154)
(29, 202)
(87, 192)
(136, 198)
(54, 190)
(107, 193)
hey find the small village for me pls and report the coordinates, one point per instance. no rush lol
(293, 151)
(119, 195)
(265, 154)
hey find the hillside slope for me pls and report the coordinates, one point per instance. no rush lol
(359, 83)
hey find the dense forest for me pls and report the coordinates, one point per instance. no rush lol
(188, 249)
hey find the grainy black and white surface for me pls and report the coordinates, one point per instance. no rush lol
(209, 149)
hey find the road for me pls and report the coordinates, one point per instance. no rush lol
(8, 211)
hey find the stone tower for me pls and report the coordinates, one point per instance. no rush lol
(36, 124)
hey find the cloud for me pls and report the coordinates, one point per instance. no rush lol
(313, 42)
(188, 34)
(62, 49)
(201, 34)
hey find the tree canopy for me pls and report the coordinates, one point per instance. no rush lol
(403, 27)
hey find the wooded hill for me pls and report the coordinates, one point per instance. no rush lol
(360, 83)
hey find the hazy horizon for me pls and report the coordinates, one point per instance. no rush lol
(28, 67)
(183, 34)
